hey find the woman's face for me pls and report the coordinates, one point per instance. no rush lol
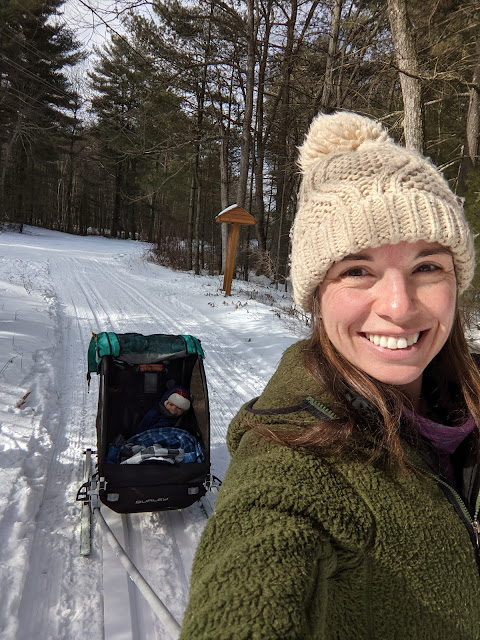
(390, 310)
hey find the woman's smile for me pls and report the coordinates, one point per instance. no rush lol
(393, 342)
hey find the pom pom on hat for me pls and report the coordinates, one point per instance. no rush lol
(180, 397)
(342, 132)
(361, 190)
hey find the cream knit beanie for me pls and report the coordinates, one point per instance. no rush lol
(359, 189)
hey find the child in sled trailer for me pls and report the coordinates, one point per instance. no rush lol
(170, 410)
(350, 507)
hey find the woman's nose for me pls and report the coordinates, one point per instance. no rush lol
(395, 297)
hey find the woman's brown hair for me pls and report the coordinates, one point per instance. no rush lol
(370, 414)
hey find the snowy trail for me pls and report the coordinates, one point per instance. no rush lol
(93, 284)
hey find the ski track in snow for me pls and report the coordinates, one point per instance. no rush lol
(61, 595)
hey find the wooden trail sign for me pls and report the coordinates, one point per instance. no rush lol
(234, 216)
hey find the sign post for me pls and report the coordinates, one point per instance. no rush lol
(234, 216)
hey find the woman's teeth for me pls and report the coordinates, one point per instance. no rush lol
(389, 342)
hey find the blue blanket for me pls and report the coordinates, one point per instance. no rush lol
(163, 444)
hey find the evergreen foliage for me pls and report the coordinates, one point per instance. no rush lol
(35, 101)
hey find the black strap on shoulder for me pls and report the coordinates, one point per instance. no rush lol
(309, 404)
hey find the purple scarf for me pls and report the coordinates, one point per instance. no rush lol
(445, 439)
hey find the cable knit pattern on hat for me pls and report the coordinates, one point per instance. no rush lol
(359, 189)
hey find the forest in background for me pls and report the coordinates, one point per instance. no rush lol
(197, 105)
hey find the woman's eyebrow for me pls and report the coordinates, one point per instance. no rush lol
(421, 254)
(432, 252)
(357, 256)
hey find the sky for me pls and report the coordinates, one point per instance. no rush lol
(91, 25)
(55, 290)
(95, 20)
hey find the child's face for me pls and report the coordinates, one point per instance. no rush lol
(173, 409)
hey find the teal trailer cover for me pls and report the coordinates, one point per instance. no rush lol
(135, 348)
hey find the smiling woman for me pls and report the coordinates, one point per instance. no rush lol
(390, 310)
(367, 432)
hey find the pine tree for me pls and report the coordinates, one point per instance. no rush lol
(35, 96)
(142, 134)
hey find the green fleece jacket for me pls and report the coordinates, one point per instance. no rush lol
(307, 548)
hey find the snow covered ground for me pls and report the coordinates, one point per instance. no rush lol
(55, 290)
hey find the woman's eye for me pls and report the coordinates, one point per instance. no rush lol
(425, 268)
(355, 272)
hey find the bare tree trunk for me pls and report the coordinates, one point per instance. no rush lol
(247, 118)
(153, 209)
(407, 61)
(7, 156)
(282, 194)
(191, 215)
(114, 227)
(131, 211)
(71, 172)
(196, 234)
(261, 134)
(470, 147)
(194, 208)
(224, 135)
(152, 216)
(224, 184)
(348, 73)
(327, 90)
(264, 124)
(224, 169)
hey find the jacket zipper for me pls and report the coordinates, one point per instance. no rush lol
(474, 524)
(476, 530)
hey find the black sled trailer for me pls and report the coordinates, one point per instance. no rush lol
(135, 371)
